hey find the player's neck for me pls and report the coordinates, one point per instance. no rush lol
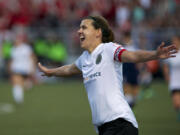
(93, 46)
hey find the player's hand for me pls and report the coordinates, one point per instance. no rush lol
(46, 71)
(169, 51)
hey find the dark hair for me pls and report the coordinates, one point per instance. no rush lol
(100, 22)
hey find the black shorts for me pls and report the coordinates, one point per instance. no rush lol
(117, 127)
(130, 73)
(24, 75)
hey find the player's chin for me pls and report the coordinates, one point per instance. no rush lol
(83, 45)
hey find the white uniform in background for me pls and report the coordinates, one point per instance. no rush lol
(21, 57)
(21, 64)
(102, 74)
(174, 72)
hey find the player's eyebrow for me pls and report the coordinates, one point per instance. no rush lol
(83, 26)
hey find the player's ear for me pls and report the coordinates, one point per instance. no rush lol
(99, 33)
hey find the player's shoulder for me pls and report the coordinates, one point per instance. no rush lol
(112, 45)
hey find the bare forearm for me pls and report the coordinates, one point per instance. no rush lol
(143, 56)
(62, 71)
(138, 56)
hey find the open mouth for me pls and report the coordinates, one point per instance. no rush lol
(82, 38)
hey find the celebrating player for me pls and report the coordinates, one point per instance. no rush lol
(101, 68)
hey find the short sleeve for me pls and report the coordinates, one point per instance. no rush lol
(115, 51)
(78, 63)
(79, 60)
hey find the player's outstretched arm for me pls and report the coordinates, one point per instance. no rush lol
(62, 71)
(161, 52)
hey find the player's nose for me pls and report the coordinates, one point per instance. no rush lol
(79, 31)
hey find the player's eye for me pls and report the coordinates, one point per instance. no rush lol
(83, 27)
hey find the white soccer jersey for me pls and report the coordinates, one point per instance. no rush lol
(174, 65)
(102, 74)
(21, 59)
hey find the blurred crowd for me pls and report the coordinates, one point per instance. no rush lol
(51, 25)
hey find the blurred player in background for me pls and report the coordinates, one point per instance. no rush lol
(22, 67)
(172, 75)
(101, 68)
(130, 74)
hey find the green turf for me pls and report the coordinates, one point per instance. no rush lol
(62, 109)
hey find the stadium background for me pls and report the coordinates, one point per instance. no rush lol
(60, 106)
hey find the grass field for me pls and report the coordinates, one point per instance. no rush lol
(62, 109)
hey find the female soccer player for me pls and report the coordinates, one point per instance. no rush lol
(22, 67)
(101, 68)
(172, 76)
